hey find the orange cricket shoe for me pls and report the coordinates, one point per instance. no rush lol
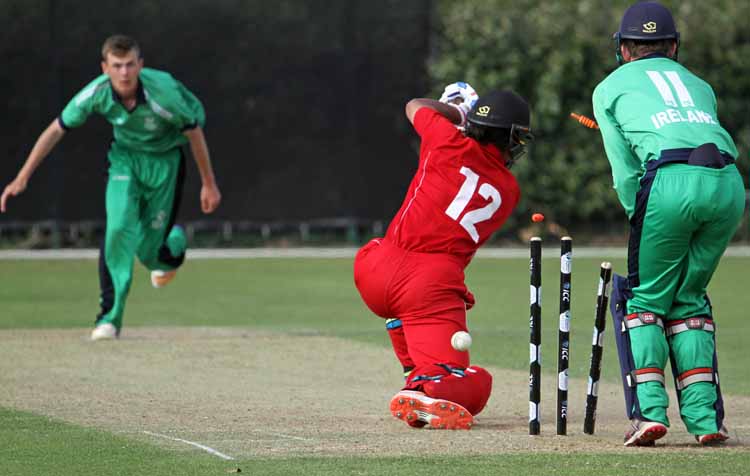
(417, 410)
(160, 278)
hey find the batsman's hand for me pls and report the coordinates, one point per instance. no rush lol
(461, 96)
(210, 197)
(16, 187)
(459, 93)
(451, 94)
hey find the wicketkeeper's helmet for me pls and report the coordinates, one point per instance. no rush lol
(505, 110)
(646, 21)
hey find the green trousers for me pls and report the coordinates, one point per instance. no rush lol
(689, 214)
(142, 197)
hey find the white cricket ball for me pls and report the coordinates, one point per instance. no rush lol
(461, 341)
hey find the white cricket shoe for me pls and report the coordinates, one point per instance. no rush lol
(714, 439)
(644, 433)
(160, 278)
(104, 331)
(417, 410)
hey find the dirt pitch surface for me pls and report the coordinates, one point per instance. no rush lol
(250, 394)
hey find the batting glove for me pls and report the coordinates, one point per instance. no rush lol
(451, 93)
(461, 96)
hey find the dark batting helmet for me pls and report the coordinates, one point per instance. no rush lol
(646, 21)
(504, 110)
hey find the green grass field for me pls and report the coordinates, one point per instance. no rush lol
(36, 445)
(317, 296)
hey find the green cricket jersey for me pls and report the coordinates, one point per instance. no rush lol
(647, 106)
(164, 109)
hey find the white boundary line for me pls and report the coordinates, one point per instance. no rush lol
(197, 445)
(257, 253)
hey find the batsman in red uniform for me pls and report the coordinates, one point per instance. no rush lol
(460, 195)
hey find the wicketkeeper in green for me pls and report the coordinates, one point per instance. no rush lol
(674, 172)
(153, 115)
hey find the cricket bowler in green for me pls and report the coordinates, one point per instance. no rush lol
(153, 115)
(674, 172)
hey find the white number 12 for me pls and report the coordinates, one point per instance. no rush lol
(457, 206)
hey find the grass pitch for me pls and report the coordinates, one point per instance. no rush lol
(318, 296)
(299, 297)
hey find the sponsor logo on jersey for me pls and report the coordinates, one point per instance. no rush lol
(159, 220)
(149, 123)
(649, 27)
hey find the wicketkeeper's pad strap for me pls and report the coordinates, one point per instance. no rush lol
(646, 374)
(691, 323)
(701, 374)
(638, 319)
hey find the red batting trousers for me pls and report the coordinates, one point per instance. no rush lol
(426, 291)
